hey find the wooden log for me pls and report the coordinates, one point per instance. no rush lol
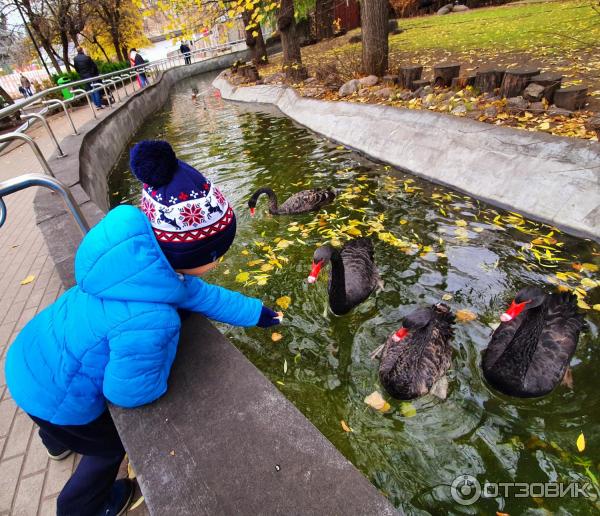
(550, 81)
(571, 98)
(444, 73)
(460, 83)
(408, 74)
(516, 80)
(421, 83)
(486, 81)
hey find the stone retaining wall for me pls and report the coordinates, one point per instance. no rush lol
(548, 178)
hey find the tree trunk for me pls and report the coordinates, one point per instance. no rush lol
(114, 36)
(255, 44)
(64, 41)
(50, 52)
(97, 43)
(374, 20)
(292, 58)
(324, 18)
(4, 94)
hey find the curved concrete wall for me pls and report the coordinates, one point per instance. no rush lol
(223, 439)
(548, 178)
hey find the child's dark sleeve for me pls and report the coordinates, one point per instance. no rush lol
(142, 350)
(220, 304)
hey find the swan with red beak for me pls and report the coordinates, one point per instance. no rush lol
(415, 358)
(529, 353)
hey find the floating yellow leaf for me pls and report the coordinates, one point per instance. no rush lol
(283, 244)
(582, 304)
(285, 367)
(276, 337)
(447, 297)
(589, 283)
(376, 401)
(245, 252)
(461, 223)
(130, 471)
(242, 277)
(345, 426)
(408, 409)
(596, 307)
(28, 280)
(255, 262)
(591, 267)
(284, 302)
(581, 442)
(478, 230)
(465, 315)
(267, 267)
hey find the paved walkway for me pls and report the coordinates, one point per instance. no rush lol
(29, 481)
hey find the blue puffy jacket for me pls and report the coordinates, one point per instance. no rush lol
(114, 335)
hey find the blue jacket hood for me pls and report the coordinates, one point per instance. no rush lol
(120, 259)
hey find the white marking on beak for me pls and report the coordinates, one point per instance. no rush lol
(311, 279)
(505, 317)
(395, 338)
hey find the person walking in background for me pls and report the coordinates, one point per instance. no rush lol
(26, 85)
(136, 60)
(87, 69)
(185, 50)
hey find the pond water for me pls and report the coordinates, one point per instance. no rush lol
(431, 243)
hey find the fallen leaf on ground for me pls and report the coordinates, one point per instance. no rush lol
(376, 401)
(465, 316)
(28, 280)
(242, 277)
(136, 504)
(276, 337)
(345, 426)
(284, 302)
(581, 442)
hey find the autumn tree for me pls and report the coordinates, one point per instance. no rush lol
(374, 20)
(292, 58)
(324, 18)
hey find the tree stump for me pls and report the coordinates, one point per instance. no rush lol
(296, 72)
(421, 83)
(460, 83)
(571, 98)
(248, 72)
(444, 73)
(593, 124)
(550, 81)
(409, 74)
(486, 81)
(516, 80)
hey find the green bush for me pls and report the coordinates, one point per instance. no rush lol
(103, 68)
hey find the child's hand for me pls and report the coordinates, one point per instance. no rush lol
(268, 318)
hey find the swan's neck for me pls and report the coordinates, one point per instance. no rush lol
(273, 204)
(337, 283)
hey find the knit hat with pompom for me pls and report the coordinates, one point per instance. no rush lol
(193, 222)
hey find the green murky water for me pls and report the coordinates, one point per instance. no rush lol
(433, 242)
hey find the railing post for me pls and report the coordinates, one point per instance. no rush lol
(103, 86)
(41, 118)
(8, 137)
(78, 90)
(57, 102)
(25, 181)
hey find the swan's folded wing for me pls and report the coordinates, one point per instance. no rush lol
(556, 345)
(501, 338)
(307, 200)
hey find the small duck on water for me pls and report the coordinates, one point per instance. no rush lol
(529, 353)
(415, 359)
(300, 202)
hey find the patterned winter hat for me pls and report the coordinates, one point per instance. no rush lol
(193, 222)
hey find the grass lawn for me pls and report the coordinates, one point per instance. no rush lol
(556, 36)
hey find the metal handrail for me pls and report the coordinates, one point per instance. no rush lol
(87, 97)
(57, 102)
(25, 181)
(9, 137)
(40, 116)
(103, 86)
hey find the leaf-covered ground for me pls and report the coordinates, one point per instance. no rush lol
(556, 36)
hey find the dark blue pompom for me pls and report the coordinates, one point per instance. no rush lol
(153, 162)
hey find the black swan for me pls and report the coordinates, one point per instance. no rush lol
(530, 351)
(301, 202)
(354, 275)
(415, 358)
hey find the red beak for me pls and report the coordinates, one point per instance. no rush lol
(513, 311)
(316, 268)
(252, 210)
(400, 334)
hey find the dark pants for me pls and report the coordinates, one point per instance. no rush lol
(96, 95)
(187, 57)
(102, 453)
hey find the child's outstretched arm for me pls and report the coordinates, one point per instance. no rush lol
(224, 305)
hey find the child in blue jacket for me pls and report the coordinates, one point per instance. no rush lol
(113, 337)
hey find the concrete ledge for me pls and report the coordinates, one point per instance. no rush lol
(548, 178)
(223, 440)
